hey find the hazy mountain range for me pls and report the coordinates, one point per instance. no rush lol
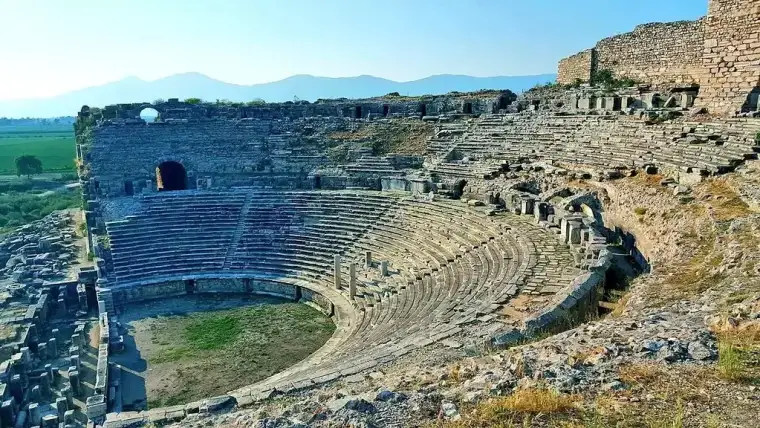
(305, 87)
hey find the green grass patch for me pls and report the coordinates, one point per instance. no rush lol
(238, 346)
(18, 209)
(55, 149)
(214, 333)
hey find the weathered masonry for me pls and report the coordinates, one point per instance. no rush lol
(199, 146)
(720, 53)
(656, 52)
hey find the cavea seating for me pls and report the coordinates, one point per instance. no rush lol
(435, 267)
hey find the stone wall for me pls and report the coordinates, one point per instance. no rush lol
(720, 52)
(576, 67)
(731, 58)
(654, 53)
(657, 53)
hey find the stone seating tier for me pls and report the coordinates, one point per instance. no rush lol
(600, 142)
(449, 266)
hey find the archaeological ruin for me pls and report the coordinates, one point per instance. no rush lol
(444, 222)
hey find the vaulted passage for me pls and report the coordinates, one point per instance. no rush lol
(171, 175)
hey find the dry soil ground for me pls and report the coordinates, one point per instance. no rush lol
(186, 348)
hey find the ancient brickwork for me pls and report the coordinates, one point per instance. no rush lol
(720, 52)
(731, 58)
(653, 53)
(575, 67)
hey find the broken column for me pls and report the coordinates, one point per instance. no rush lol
(61, 407)
(368, 259)
(336, 261)
(17, 390)
(68, 394)
(52, 347)
(8, 413)
(384, 268)
(75, 362)
(62, 310)
(74, 380)
(45, 384)
(352, 280)
(34, 414)
(69, 418)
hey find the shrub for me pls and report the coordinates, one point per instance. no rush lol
(193, 101)
(757, 138)
(523, 404)
(640, 210)
(28, 165)
(18, 209)
(606, 78)
(255, 103)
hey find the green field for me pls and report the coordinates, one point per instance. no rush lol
(55, 148)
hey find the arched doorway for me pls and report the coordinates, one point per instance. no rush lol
(149, 115)
(171, 175)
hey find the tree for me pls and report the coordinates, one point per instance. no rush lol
(28, 165)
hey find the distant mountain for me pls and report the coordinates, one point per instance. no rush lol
(305, 87)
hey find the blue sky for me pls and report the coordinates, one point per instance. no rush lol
(54, 46)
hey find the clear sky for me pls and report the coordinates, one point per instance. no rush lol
(54, 46)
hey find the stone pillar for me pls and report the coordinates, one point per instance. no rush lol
(45, 384)
(336, 262)
(75, 341)
(42, 351)
(68, 394)
(368, 259)
(69, 418)
(352, 280)
(384, 268)
(17, 389)
(49, 371)
(75, 362)
(50, 421)
(61, 407)
(8, 413)
(35, 418)
(62, 311)
(52, 347)
(74, 380)
(35, 394)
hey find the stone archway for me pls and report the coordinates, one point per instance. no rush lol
(171, 175)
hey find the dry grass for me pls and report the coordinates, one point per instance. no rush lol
(620, 305)
(520, 408)
(640, 373)
(673, 420)
(725, 202)
(403, 137)
(640, 210)
(738, 354)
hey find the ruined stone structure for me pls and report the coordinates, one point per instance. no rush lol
(402, 251)
(718, 52)
(654, 53)
(730, 77)
(210, 145)
(44, 336)
(578, 67)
